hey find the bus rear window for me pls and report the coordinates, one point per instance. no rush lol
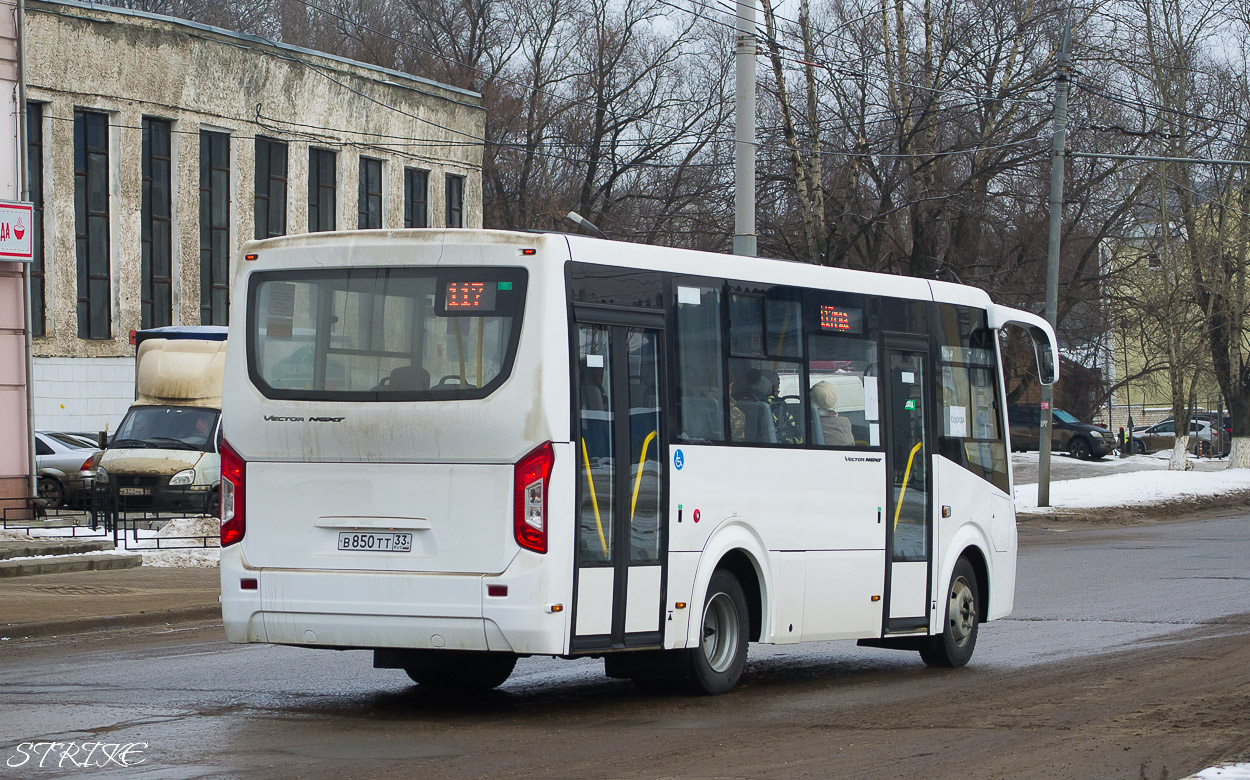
(383, 334)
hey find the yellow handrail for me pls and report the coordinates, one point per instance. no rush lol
(594, 501)
(906, 476)
(638, 479)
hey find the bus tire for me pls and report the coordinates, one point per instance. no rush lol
(954, 646)
(716, 664)
(465, 671)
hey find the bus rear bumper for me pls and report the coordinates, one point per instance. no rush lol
(357, 609)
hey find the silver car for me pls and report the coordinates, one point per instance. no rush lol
(64, 464)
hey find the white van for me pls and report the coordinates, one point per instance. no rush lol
(164, 455)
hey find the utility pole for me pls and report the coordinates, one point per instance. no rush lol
(1059, 143)
(744, 132)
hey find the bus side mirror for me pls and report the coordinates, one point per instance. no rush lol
(1045, 358)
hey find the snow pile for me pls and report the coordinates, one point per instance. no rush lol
(1226, 772)
(14, 536)
(184, 559)
(172, 533)
(1141, 488)
(204, 525)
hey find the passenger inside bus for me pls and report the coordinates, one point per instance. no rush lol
(789, 428)
(836, 429)
(750, 418)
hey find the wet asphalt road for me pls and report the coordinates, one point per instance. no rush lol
(205, 708)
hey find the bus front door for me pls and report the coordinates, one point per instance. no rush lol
(618, 387)
(908, 532)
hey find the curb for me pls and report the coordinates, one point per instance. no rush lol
(58, 547)
(111, 622)
(60, 566)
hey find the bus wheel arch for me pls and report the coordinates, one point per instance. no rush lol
(980, 567)
(740, 564)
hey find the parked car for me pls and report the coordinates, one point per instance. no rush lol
(64, 464)
(1162, 436)
(1067, 434)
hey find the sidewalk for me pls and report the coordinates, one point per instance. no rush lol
(44, 605)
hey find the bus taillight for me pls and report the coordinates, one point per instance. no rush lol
(529, 487)
(233, 477)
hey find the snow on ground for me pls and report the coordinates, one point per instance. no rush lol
(1156, 460)
(1135, 488)
(1226, 772)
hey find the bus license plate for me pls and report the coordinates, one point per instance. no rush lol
(371, 541)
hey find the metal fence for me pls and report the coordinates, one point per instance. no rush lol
(134, 521)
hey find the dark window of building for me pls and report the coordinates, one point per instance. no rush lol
(34, 162)
(416, 198)
(214, 228)
(91, 224)
(156, 307)
(455, 201)
(270, 188)
(321, 183)
(370, 203)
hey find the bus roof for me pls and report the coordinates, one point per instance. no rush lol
(586, 249)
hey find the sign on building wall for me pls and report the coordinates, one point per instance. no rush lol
(17, 240)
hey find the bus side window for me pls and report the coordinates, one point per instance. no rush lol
(700, 380)
(842, 381)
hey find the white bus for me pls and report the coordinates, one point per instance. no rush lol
(459, 447)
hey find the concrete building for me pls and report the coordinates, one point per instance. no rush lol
(158, 147)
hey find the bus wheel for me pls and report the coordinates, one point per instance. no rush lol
(963, 608)
(465, 671)
(717, 662)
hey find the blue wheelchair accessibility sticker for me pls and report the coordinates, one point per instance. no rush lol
(679, 460)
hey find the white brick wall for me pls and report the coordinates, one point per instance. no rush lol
(82, 394)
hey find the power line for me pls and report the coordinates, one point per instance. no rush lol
(1152, 158)
(1137, 103)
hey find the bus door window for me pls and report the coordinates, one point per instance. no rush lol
(909, 458)
(971, 424)
(644, 446)
(596, 467)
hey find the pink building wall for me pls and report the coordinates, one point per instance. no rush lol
(14, 430)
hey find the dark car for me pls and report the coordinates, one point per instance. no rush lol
(1068, 434)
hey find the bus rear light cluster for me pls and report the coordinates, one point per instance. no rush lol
(233, 495)
(530, 487)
